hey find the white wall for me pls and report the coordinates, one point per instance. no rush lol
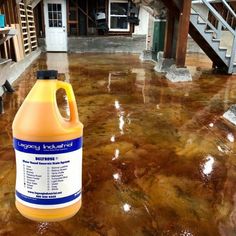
(142, 28)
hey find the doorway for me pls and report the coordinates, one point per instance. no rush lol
(55, 25)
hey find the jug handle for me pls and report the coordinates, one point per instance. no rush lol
(71, 100)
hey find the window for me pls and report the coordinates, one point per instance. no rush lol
(54, 15)
(118, 10)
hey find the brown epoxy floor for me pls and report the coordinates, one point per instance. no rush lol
(158, 157)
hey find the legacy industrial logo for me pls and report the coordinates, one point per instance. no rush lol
(44, 147)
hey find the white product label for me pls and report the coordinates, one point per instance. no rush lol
(49, 175)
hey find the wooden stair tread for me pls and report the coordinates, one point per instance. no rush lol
(209, 31)
(216, 40)
(201, 23)
(223, 49)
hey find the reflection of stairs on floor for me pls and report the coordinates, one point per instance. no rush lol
(209, 37)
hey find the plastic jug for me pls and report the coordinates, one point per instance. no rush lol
(48, 149)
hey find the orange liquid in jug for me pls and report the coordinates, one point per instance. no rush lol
(48, 154)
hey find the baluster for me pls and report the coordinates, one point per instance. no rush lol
(233, 53)
(219, 29)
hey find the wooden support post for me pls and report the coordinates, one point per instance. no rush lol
(87, 19)
(168, 47)
(183, 33)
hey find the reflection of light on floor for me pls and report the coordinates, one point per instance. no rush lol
(223, 148)
(117, 105)
(113, 138)
(208, 166)
(116, 155)
(42, 228)
(230, 137)
(116, 176)
(211, 124)
(121, 116)
(121, 124)
(186, 233)
(55, 63)
(140, 80)
(126, 207)
(128, 118)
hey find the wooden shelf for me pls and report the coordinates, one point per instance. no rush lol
(7, 33)
(5, 30)
(4, 61)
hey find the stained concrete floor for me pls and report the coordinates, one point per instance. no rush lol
(158, 157)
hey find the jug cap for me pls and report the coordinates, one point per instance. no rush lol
(47, 74)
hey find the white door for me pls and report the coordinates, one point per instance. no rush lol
(55, 25)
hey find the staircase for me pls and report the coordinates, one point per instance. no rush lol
(209, 36)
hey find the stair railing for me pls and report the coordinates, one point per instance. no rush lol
(229, 8)
(205, 20)
(223, 23)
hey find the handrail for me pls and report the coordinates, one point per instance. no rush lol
(229, 8)
(219, 1)
(219, 17)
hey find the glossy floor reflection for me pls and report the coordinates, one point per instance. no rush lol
(159, 159)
